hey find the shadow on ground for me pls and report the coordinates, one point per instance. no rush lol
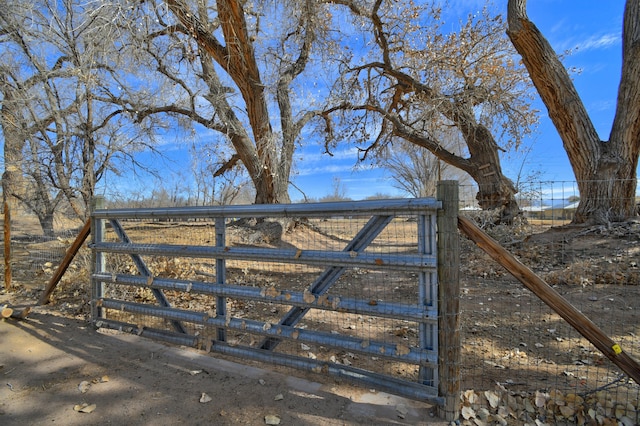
(135, 381)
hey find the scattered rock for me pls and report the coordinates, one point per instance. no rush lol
(401, 411)
(544, 408)
(84, 408)
(271, 419)
(84, 386)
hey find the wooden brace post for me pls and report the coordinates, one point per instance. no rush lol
(552, 298)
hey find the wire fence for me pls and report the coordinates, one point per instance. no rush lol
(521, 352)
(521, 363)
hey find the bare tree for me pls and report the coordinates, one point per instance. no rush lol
(605, 169)
(62, 137)
(232, 66)
(417, 79)
(338, 191)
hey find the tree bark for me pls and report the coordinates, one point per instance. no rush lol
(605, 170)
(237, 58)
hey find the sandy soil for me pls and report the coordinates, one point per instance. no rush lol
(46, 360)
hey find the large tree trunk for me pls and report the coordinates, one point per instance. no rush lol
(605, 170)
(269, 193)
(495, 192)
(237, 59)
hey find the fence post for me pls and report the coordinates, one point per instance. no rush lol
(98, 263)
(449, 358)
(221, 272)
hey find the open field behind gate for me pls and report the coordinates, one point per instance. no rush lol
(519, 359)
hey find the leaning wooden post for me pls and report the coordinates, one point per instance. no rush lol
(64, 265)
(449, 357)
(552, 298)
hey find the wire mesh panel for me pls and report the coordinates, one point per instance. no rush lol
(347, 289)
(521, 360)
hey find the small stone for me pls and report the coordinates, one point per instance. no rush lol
(84, 386)
(401, 410)
(468, 413)
(84, 408)
(270, 419)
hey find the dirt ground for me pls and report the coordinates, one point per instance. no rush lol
(47, 361)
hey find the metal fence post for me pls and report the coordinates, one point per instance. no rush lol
(98, 263)
(221, 271)
(449, 354)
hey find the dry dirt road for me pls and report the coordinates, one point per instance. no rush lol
(47, 361)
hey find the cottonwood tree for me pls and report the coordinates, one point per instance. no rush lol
(59, 137)
(411, 78)
(233, 67)
(605, 170)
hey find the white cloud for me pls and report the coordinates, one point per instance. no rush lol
(306, 171)
(599, 42)
(340, 154)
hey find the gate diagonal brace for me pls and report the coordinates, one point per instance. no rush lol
(329, 276)
(144, 271)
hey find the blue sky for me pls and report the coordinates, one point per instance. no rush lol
(591, 29)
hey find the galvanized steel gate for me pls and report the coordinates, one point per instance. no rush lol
(390, 342)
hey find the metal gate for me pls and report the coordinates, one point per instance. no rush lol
(347, 289)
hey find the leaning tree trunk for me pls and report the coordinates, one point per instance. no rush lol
(605, 170)
(495, 191)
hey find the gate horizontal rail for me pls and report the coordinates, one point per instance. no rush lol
(349, 305)
(387, 285)
(379, 381)
(364, 346)
(308, 257)
(369, 207)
